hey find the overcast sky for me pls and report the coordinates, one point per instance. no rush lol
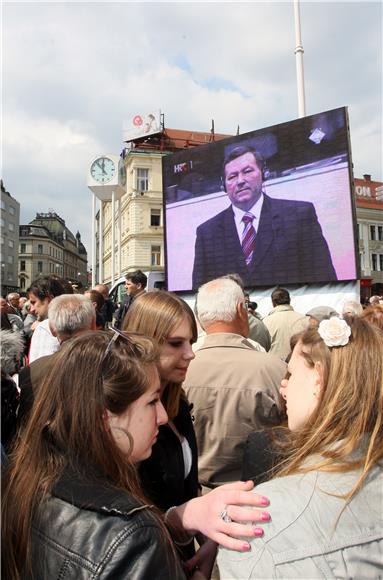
(74, 71)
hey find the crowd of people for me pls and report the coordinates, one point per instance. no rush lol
(132, 438)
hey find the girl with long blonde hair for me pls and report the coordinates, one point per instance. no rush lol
(170, 475)
(327, 497)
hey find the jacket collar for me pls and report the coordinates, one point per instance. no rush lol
(281, 308)
(225, 339)
(88, 489)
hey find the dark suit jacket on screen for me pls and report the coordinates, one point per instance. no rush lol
(289, 248)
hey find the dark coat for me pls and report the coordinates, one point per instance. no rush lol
(259, 457)
(289, 247)
(108, 310)
(31, 378)
(163, 473)
(88, 529)
(121, 312)
(9, 406)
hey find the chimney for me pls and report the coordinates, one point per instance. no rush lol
(366, 177)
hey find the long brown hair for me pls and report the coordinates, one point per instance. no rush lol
(156, 314)
(67, 427)
(349, 416)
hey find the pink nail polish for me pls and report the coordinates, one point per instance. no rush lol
(258, 532)
(264, 500)
(246, 547)
(265, 516)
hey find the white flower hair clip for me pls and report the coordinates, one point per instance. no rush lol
(334, 332)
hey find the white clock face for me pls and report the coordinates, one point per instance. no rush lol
(103, 169)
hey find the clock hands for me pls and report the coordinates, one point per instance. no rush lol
(103, 169)
(101, 165)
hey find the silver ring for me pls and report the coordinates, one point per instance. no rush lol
(225, 516)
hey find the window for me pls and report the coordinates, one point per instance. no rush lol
(381, 262)
(11, 227)
(156, 256)
(2, 204)
(374, 259)
(22, 265)
(2, 222)
(10, 259)
(39, 267)
(23, 248)
(40, 249)
(2, 240)
(11, 210)
(380, 233)
(155, 217)
(372, 232)
(11, 244)
(142, 179)
(22, 283)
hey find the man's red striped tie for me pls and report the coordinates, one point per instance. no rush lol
(248, 237)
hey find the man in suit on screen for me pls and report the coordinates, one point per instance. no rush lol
(266, 241)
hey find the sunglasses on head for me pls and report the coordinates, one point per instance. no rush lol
(136, 348)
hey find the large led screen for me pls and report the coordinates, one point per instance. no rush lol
(273, 205)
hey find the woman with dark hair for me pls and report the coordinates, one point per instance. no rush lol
(5, 324)
(11, 350)
(98, 302)
(327, 497)
(72, 502)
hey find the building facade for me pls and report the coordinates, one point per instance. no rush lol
(142, 244)
(39, 255)
(48, 247)
(369, 214)
(9, 233)
(142, 220)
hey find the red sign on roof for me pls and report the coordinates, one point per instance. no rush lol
(368, 193)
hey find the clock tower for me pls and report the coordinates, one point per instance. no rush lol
(107, 180)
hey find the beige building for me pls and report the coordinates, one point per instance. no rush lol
(142, 227)
(142, 244)
(48, 247)
(39, 255)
